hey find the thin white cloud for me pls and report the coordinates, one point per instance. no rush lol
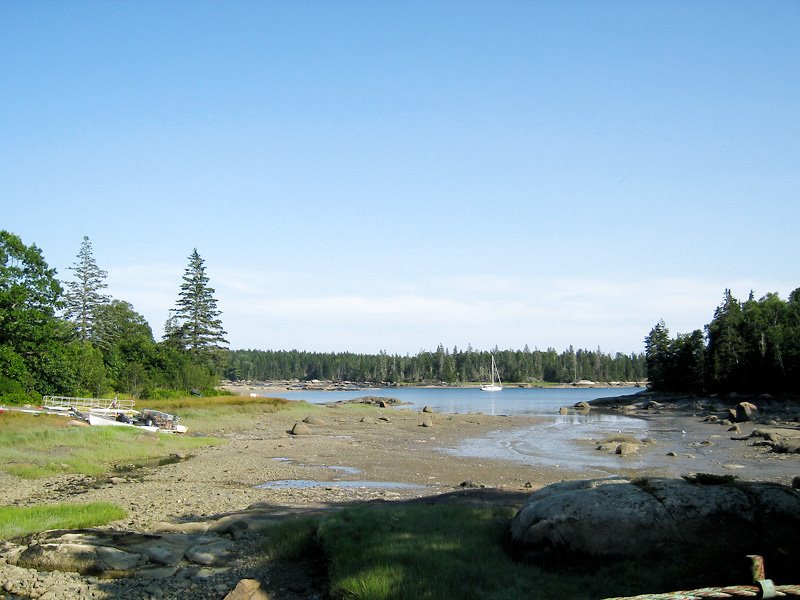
(270, 310)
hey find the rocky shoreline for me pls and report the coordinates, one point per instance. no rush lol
(192, 525)
(258, 388)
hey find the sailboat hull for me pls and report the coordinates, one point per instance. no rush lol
(491, 388)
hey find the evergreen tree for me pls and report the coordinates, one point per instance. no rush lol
(657, 355)
(726, 346)
(83, 297)
(194, 323)
(687, 371)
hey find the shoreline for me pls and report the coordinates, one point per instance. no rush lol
(357, 442)
(244, 388)
(346, 448)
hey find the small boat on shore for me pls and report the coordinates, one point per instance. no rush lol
(112, 413)
(99, 421)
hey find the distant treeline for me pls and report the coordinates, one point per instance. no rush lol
(442, 365)
(751, 346)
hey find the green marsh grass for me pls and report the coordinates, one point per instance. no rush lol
(18, 521)
(427, 552)
(442, 552)
(33, 446)
(290, 539)
(206, 414)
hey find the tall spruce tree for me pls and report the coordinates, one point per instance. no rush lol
(658, 357)
(83, 297)
(194, 323)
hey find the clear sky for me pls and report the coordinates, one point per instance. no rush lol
(394, 175)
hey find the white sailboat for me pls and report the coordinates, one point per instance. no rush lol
(493, 387)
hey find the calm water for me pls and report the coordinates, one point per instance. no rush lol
(510, 401)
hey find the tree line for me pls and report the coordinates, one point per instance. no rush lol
(70, 338)
(751, 346)
(441, 365)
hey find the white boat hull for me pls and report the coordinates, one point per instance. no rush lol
(491, 388)
(106, 422)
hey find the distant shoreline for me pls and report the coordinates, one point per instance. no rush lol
(247, 387)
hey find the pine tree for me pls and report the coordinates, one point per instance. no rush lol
(657, 355)
(83, 297)
(194, 323)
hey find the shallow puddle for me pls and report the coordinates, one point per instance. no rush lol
(341, 469)
(303, 484)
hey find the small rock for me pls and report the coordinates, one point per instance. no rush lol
(471, 484)
(427, 409)
(210, 553)
(156, 572)
(607, 447)
(300, 428)
(427, 423)
(117, 560)
(745, 411)
(247, 589)
(314, 420)
(154, 590)
(369, 420)
(626, 448)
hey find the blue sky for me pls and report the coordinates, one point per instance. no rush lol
(394, 175)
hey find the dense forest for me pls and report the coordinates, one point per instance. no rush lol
(442, 365)
(70, 338)
(751, 346)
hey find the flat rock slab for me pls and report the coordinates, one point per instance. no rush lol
(209, 553)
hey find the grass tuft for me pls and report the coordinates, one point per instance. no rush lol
(290, 539)
(18, 521)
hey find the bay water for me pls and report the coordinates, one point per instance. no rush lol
(569, 441)
(509, 401)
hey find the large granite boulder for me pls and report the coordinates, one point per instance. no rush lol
(617, 518)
